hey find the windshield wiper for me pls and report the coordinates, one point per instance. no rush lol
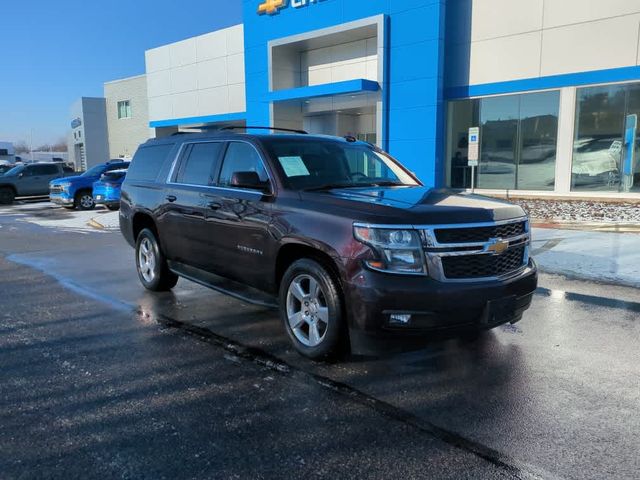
(329, 186)
(389, 183)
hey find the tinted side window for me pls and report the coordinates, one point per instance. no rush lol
(148, 161)
(49, 169)
(42, 170)
(241, 157)
(199, 164)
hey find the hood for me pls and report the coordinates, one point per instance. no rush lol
(74, 179)
(415, 205)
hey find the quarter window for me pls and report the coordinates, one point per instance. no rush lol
(241, 157)
(124, 109)
(148, 161)
(199, 164)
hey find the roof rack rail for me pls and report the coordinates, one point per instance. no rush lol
(301, 132)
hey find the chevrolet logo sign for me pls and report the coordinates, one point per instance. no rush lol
(496, 246)
(271, 6)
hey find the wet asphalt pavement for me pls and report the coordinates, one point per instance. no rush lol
(101, 379)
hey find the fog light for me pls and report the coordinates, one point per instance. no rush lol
(399, 319)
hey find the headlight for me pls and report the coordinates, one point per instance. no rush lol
(64, 185)
(398, 251)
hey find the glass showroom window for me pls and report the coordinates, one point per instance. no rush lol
(519, 138)
(124, 109)
(599, 150)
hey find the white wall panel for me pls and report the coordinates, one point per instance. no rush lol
(567, 12)
(161, 107)
(200, 76)
(590, 46)
(237, 98)
(505, 58)
(235, 68)
(499, 18)
(157, 59)
(185, 104)
(183, 53)
(213, 101)
(349, 71)
(212, 73)
(212, 45)
(159, 83)
(235, 39)
(184, 79)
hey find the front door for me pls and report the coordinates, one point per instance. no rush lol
(240, 217)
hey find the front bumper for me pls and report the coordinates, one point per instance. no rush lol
(102, 199)
(437, 309)
(61, 199)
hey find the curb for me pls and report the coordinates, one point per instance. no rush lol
(95, 224)
(591, 227)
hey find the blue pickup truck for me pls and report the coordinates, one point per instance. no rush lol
(77, 192)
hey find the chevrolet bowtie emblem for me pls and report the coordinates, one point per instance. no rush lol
(497, 246)
(271, 6)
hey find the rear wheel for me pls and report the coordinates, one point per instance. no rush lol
(84, 201)
(6, 196)
(311, 309)
(153, 272)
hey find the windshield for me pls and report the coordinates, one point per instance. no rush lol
(94, 172)
(315, 164)
(15, 170)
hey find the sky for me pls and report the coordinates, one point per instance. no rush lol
(56, 51)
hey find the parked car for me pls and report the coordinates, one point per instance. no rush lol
(106, 191)
(77, 191)
(354, 249)
(29, 180)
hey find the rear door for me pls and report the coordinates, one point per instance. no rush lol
(238, 219)
(184, 231)
(36, 178)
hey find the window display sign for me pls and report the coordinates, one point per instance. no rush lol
(474, 146)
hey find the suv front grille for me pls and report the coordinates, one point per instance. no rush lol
(476, 252)
(480, 234)
(56, 189)
(483, 266)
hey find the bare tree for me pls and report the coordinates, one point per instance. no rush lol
(21, 147)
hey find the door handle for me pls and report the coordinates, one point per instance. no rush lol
(171, 198)
(214, 205)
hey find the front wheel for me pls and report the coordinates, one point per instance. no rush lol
(311, 309)
(84, 201)
(153, 272)
(6, 196)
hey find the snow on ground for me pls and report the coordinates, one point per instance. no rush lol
(599, 256)
(49, 215)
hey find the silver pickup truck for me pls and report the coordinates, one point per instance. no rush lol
(30, 180)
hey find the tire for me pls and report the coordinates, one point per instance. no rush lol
(113, 208)
(153, 272)
(313, 318)
(84, 200)
(6, 196)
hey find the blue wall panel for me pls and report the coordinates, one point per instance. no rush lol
(412, 88)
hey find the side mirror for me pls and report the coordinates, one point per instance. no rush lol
(20, 175)
(247, 180)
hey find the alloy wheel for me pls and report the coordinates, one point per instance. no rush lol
(147, 260)
(307, 310)
(86, 201)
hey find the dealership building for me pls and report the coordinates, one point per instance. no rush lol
(552, 85)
